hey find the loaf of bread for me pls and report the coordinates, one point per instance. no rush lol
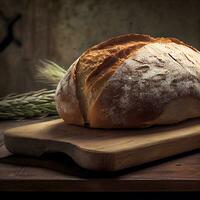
(131, 81)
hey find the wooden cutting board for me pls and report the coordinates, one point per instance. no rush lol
(107, 150)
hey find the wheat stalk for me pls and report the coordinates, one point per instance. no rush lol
(32, 104)
(28, 105)
(48, 71)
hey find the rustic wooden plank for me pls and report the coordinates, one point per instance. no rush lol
(100, 186)
(57, 172)
(57, 165)
(15, 123)
(104, 150)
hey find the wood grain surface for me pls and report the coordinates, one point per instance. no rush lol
(57, 172)
(104, 150)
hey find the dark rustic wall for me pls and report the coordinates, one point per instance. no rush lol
(60, 30)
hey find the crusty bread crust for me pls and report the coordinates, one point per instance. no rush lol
(67, 103)
(128, 81)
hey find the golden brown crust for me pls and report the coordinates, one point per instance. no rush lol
(67, 103)
(95, 68)
(122, 40)
(99, 63)
(107, 56)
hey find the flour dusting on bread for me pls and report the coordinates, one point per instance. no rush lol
(132, 81)
(155, 75)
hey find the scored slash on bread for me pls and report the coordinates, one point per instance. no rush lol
(131, 81)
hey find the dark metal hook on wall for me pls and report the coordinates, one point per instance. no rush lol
(9, 28)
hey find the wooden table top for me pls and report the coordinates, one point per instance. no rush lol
(57, 172)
